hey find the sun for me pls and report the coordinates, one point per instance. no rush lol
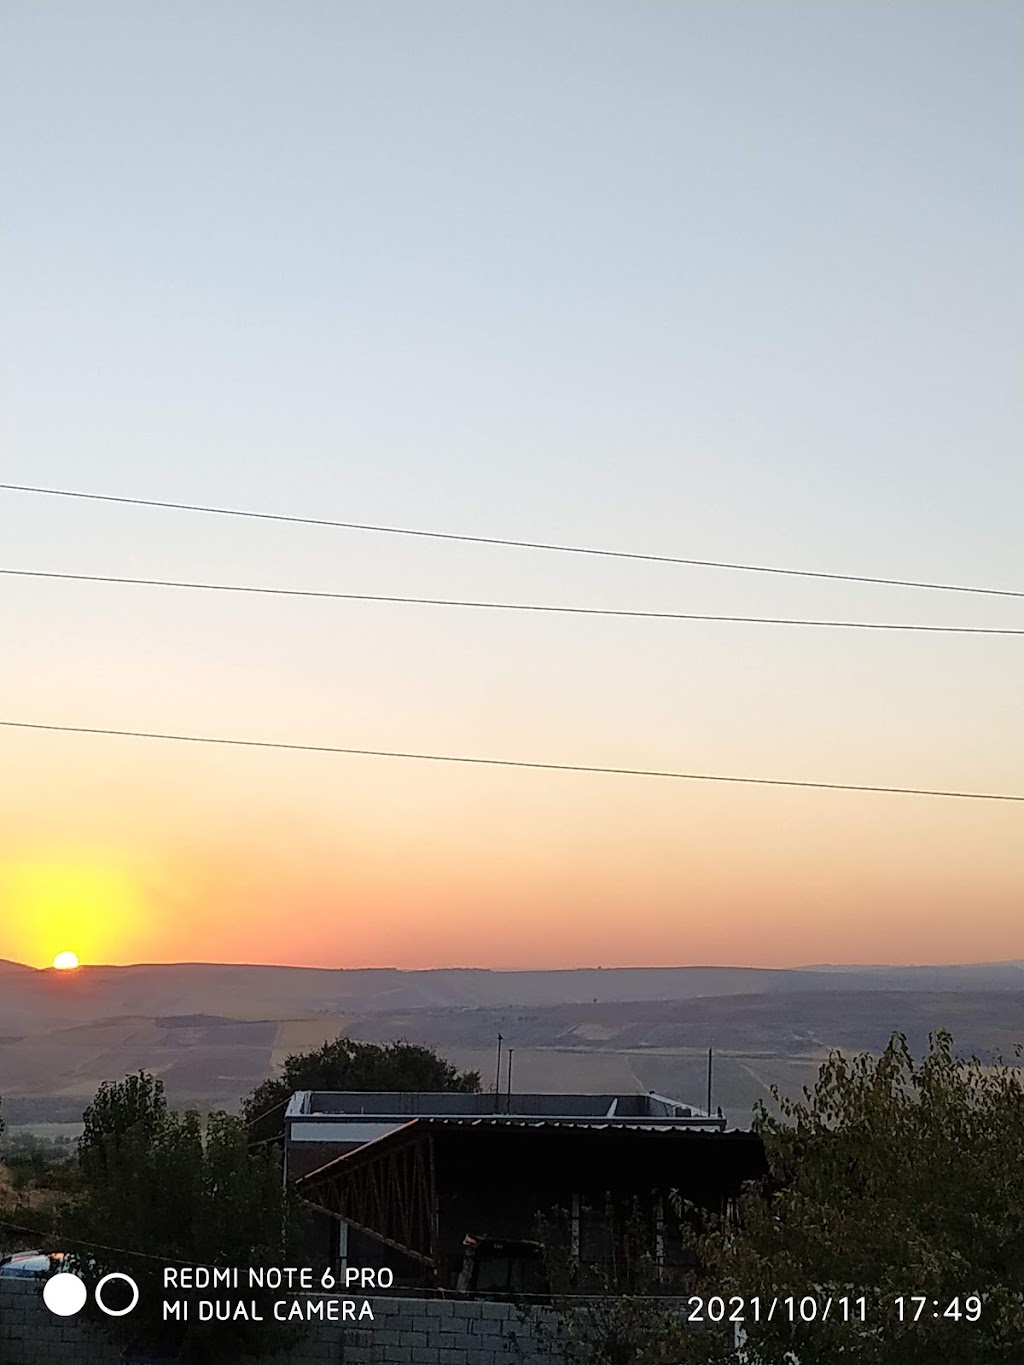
(66, 961)
(93, 907)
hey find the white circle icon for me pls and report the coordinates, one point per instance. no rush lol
(116, 1312)
(64, 1294)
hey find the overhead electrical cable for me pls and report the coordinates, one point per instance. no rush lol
(42, 1238)
(509, 762)
(505, 606)
(508, 541)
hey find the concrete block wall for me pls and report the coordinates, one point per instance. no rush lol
(404, 1332)
(31, 1335)
(433, 1332)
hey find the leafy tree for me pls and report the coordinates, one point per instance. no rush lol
(347, 1065)
(167, 1188)
(135, 1104)
(889, 1178)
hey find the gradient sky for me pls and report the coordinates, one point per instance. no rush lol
(731, 281)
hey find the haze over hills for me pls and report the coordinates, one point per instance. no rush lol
(213, 1031)
(94, 992)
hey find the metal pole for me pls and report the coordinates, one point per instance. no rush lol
(508, 1099)
(497, 1076)
(709, 1082)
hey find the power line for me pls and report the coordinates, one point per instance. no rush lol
(507, 541)
(508, 762)
(505, 606)
(51, 1237)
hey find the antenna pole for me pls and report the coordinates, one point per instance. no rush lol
(709, 1080)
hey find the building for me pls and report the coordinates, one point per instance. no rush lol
(403, 1179)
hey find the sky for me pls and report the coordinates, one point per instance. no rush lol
(730, 281)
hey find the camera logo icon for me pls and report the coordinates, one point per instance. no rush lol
(65, 1294)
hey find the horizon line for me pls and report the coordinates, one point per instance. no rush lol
(510, 971)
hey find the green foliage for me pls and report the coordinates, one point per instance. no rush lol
(347, 1065)
(134, 1105)
(36, 1161)
(37, 1176)
(178, 1190)
(889, 1177)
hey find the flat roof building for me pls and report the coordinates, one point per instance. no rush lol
(320, 1125)
(402, 1179)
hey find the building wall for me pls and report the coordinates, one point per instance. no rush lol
(404, 1332)
(303, 1157)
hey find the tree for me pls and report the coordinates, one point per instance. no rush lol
(163, 1188)
(120, 1107)
(889, 1179)
(347, 1065)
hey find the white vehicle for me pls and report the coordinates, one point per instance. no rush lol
(31, 1265)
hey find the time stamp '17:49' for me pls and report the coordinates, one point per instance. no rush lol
(914, 1307)
(815, 1308)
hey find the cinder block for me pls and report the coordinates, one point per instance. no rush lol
(451, 1355)
(486, 1327)
(493, 1310)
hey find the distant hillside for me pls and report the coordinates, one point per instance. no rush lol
(213, 1032)
(794, 1025)
(246, 992)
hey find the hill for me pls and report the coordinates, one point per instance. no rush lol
(213, 1031)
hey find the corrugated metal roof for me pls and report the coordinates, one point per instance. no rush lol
(539, 1126)
(600, 1124)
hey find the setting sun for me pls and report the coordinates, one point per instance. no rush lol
(46, 905)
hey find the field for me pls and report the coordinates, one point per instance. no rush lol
(213, 1033)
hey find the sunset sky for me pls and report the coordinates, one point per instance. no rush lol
(726, 281)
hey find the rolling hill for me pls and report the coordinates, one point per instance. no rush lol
(212, 1032)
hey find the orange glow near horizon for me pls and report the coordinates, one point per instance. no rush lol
(45, 906)
(838, 884)
(219, 857)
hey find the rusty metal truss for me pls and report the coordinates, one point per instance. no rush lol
(390, 1195)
